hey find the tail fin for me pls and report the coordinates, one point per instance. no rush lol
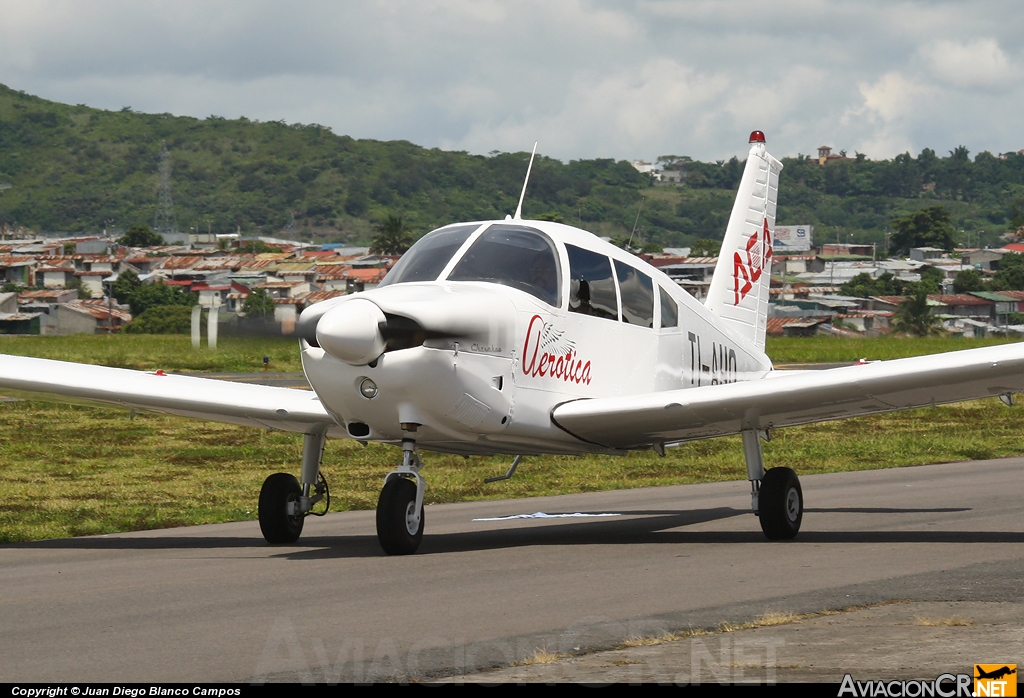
(739, 288)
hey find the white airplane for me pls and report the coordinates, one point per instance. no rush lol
(528, 337)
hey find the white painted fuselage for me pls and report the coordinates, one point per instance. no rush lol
(500, 359)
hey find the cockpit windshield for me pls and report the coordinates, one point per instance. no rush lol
(516, 256)
(430, 255)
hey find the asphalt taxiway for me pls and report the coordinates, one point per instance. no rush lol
(215, 603)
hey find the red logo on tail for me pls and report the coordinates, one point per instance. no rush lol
(758, 257)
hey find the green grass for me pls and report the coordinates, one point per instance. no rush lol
(784, 350)
(69, 471)
(152, 351)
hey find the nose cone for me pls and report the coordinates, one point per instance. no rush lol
(350, 331)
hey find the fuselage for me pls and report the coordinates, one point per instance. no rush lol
(490, 325)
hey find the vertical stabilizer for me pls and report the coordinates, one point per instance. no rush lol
(739, 288)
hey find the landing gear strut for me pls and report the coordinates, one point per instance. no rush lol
(400, 507)
(284, 503)
(776, 496)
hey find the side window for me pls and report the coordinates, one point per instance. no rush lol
(637, 295)
(591, 287)
(669, 310)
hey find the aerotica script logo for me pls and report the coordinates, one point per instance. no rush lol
(547, 352)
(748, 265)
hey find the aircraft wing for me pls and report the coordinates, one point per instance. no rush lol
(786, 400)
(186, 396)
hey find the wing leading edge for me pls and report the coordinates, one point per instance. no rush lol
(781, 400)
(186, 396)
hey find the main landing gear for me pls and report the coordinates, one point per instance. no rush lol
(284, 503)
(776, 497)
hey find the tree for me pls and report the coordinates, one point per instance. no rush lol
(705, 248)
(127, 282)
(1016, 212)
(1010, 275)
(931, 280)
(76, 285)
(151, 295)
(258, 304)
(915, 315)
(863, 286)
(162, 319)
(393, 236)
(140, 236)
(928, 227)
(968, 280)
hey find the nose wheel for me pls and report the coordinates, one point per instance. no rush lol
(400, 507)
(399, 523)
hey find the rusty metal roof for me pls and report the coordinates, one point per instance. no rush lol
(98, 311)
(318, 296)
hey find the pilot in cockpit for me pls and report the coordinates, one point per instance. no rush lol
(579, 297)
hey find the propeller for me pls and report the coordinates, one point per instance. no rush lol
(358, 330)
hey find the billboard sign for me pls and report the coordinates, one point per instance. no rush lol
(792, 238)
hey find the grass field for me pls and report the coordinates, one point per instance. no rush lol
(167, 351)
(68, 470)
(783, 350)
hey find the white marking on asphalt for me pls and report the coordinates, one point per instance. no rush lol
(542, 515)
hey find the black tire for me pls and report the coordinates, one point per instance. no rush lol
(277, 526)
(780, 503)
(393, 509)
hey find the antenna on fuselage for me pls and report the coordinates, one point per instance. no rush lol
(519, 208)
(635, 222)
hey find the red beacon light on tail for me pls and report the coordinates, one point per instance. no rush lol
(757, 136)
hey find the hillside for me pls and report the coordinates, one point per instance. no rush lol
(74, 167)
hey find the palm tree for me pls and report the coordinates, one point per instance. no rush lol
(393, 236)
(915, 316)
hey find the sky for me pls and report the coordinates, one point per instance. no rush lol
(625, 80)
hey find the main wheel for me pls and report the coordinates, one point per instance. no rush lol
(278, 527)
(397, 529)
(780, 503)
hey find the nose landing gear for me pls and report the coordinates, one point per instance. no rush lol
(400, 507)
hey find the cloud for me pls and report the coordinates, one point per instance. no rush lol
(588, 78)
(892, 96)
(626, 110)
(979, 64)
